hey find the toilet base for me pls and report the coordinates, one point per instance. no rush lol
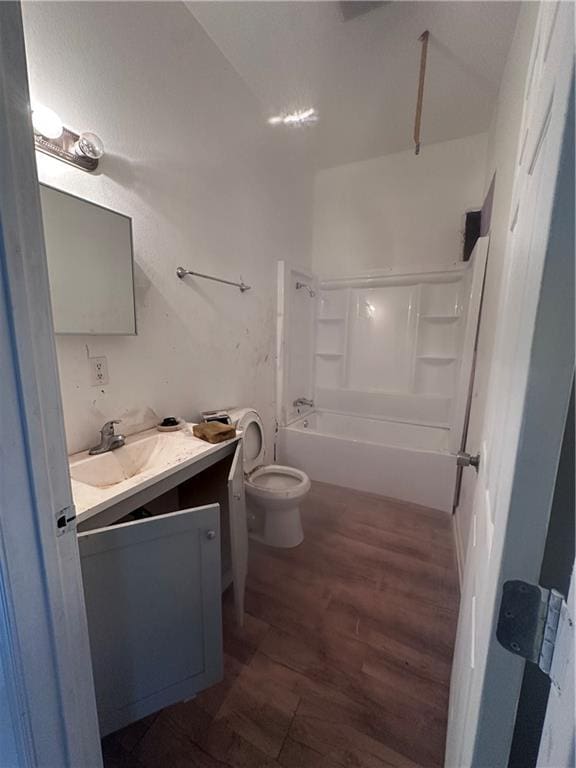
(275, 527)
(283, 527)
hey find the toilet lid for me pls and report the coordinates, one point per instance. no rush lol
(252, 439)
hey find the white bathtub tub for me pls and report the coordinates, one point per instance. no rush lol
(397, 459)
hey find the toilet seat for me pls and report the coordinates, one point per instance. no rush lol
(278, 481)
(253, 445)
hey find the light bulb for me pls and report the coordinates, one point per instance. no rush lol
(46, 122)
(89, 145)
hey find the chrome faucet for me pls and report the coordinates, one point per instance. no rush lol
(108, 440)
(303, 401)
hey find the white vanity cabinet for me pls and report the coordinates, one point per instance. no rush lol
(153, 587)
(152, 592)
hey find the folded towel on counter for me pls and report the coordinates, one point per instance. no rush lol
(214, 432)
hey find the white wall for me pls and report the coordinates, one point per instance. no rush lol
(502, 155)
(191, 159)
(398, 210)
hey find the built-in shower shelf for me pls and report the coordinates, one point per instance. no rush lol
(330, 354)
(440, 318)
(331, 319)
(437, 358)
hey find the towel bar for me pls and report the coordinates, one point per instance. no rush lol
(181, 273)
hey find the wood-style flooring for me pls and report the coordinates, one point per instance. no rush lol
(345, 656)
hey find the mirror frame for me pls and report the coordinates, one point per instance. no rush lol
(110, 210)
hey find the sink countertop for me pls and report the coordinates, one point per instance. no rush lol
(174, 451)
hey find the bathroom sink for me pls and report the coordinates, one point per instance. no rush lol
(114, 467)
(147, 458)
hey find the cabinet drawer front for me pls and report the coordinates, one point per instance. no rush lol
(152, 590)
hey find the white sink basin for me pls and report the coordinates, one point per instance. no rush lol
(148, 457)
(114, 467)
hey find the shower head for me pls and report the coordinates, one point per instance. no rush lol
(311, 292)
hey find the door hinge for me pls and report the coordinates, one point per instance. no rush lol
(64, 519)
(529, 621)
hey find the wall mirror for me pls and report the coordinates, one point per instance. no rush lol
(90, 265)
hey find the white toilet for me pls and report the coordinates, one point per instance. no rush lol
(272, 490)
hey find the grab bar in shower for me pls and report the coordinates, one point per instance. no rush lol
(181, 273)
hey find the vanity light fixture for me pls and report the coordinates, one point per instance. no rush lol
(83, 150)
(46, 122)
(89, 145)
(300, 117)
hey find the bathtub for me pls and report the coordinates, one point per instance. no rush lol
(404, 461)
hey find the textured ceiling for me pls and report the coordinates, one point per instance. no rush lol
(359, 68)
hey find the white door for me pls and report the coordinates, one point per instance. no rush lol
(238, 532)
(527, 403)
(462, 405)
(152, 591)
(47, 708)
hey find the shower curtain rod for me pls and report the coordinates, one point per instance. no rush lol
(181, 273)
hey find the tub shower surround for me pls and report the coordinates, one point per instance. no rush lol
(390, 374)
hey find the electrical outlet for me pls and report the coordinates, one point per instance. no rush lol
(98, 371)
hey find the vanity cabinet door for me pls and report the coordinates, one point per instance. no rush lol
(238, 531)
(152, 590)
